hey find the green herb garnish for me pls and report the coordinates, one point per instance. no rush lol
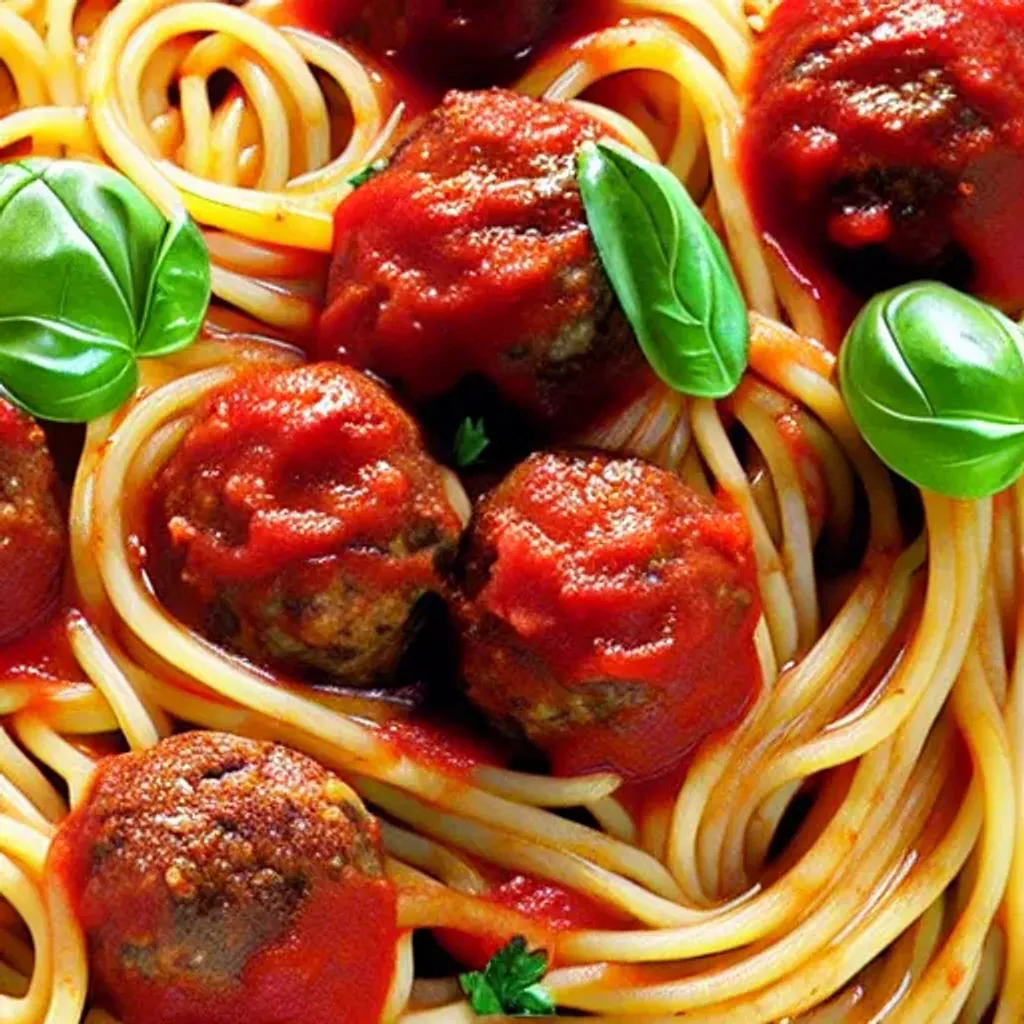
(934, 380)
(668, 269)
(510, 983)
(92, 277)
(471, 442)
(368, 172)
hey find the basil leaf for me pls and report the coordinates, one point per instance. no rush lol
(92, 276)
(934, 380)
(668, 269)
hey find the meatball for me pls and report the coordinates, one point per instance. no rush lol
(457, 42)
(608, 613)
(884, 142)
(32, 531)
(470, 255)
(219, 879)
(301, 521)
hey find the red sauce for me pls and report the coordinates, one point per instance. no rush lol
(42, 655)
(884, 142)
(32, 527)
(611, 613)
(301, 510)
(554, 908)
(305, 464)
(447, 746)
(335, 949)
(319, 966)
(471, 255)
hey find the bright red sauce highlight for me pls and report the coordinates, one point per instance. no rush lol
(554, 908)
(447, 746)
(42, 655)
(884, 142)
(615, 613)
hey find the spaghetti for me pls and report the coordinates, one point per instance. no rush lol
(849, 851)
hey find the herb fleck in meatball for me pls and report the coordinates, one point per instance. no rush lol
(471, 255)
(609, 613)
(220, 879)
(32, 531)
(300, 523)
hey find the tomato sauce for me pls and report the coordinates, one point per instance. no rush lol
(612, 613)
(42, 655)
(553, 907)
(318, 966)
(446, 745)
(884, 142)
(300, 520)
(471, 255)
(171, 848)
(32, 527)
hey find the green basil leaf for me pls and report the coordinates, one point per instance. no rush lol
(669, 270)
(179, 292)
(934, 380)
(93, 276)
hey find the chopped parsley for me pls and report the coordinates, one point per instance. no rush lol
(471, 441)
(510, 983)
(368, 172)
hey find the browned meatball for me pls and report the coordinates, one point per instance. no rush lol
(301, 521)
(32, 531)
(223, 880)
(609, 612)
(470, 255)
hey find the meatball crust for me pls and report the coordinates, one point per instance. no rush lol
(608, 613)
(301, 521)
(884, 142)
(471, 255)
(32, 531)
(222, 879)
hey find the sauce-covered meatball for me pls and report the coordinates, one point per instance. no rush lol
(609, 613)
(228, 881)
(471, 255)
(457, 42)
(300, 523)
(884, 142)
(32, 532)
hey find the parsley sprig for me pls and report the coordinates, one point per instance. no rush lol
(471, 441)
(510, 983)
